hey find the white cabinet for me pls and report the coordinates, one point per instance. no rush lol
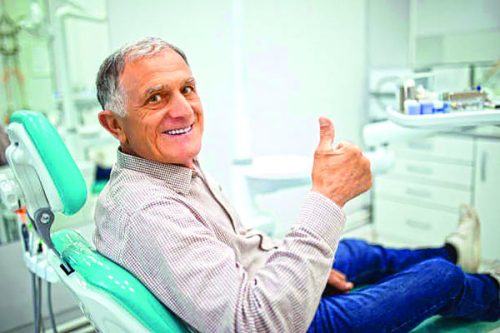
(413, 224)
(487, 195)
(417, 202)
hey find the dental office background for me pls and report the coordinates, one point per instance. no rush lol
(266, 70)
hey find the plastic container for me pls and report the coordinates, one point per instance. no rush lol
(412, 107)
(426, 107)
(438, 107)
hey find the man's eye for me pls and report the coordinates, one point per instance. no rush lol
(187, 90)
(154, 99)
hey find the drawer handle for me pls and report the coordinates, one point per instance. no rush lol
(419, 169)
(484, 162)
(418, 224)
(418, 193)
(420, 145)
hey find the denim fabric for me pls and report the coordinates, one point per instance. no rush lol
(407, 287)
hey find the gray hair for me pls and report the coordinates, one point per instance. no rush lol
(109, 92)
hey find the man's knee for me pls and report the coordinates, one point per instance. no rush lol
(450, 274)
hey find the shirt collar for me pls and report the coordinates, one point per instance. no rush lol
(176, 176)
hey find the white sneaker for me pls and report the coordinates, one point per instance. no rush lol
(466, 240)
(493, 269)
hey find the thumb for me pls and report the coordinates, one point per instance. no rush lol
(326, 134)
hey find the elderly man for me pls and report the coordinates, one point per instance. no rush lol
(163, 220)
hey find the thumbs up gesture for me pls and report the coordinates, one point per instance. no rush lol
(339, 173)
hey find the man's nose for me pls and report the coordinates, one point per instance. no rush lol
(180, 107)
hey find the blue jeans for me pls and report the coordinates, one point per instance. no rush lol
(406, 287)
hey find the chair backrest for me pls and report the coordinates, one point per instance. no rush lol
(112, 298)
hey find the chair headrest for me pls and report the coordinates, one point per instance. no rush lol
(39, 158)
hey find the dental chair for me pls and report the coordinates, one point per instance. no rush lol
(49, 182)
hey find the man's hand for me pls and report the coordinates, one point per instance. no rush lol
(339, 173)
(339, 281)
(337, 284)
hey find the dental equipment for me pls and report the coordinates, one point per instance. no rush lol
(13, 78)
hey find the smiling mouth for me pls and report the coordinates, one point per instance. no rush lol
(179, 131)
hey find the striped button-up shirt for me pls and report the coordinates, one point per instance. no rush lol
(174, 230)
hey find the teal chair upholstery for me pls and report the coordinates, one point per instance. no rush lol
(108, 277)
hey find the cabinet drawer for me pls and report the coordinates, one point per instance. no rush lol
(453, 148)
(423, 226)
(411, 192)
(439, 173)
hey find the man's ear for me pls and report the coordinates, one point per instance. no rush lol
(111, 122)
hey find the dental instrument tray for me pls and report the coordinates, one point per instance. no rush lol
(445, 120)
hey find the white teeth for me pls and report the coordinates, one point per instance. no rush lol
(179, 131)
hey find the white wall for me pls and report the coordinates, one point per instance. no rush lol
(445, 31)
(303, 59)
(203, 30)
(388, 33)
(457, 16)
(457, 31)
(299, 60)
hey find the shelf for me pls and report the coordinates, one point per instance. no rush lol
(445, 120)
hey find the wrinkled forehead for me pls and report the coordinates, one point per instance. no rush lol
(166, 65)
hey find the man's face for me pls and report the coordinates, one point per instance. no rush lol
(164, 120)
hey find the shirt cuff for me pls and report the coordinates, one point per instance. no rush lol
(322, 216)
